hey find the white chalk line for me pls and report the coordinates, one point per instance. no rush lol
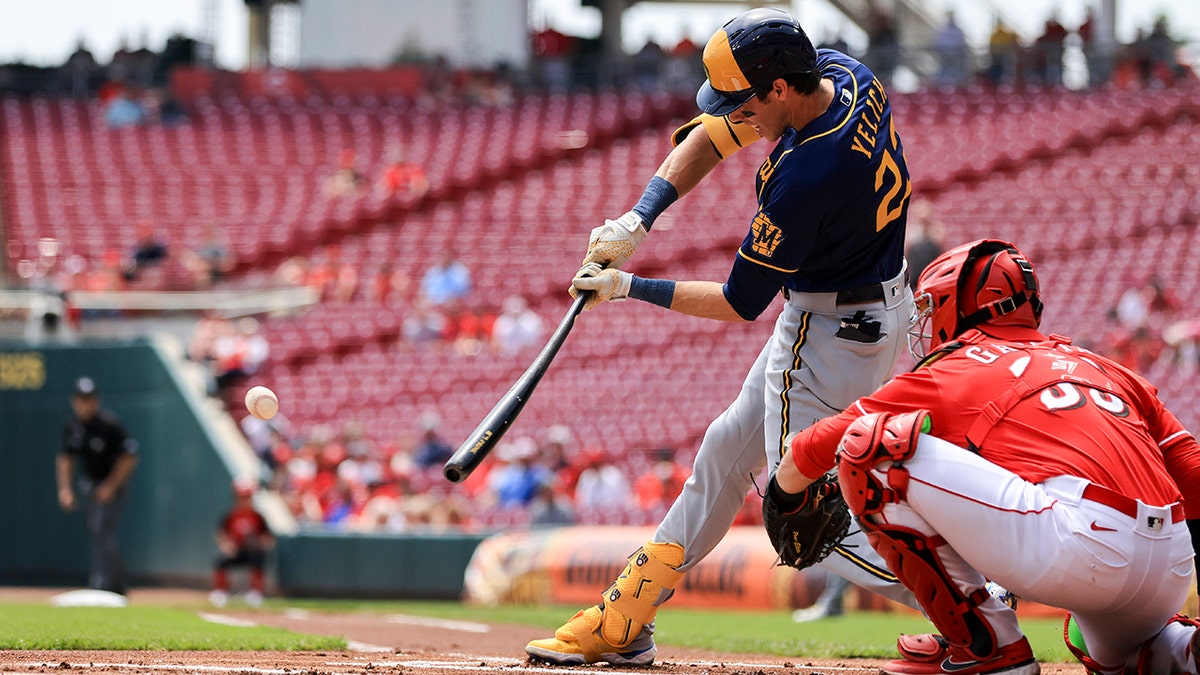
(448, 624)
(478, 664)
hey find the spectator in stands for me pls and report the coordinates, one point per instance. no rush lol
(1048, 52)
(1182, 340)
(883, 48)
(346, 180)
(1161, 65)
(516, 483)
(81, 70)
(264, 437)
(238, 351)
(602, 486)
(471, 329)
(402, 466)
(1132, 310)
(955, 62)
(835, 41)
(683, 66)
(552, 52)
(293, 271)
(123, 110)
(657, 488)
(549, 507)
(382, 511)
(1003, 50)
(431, 451)
(211, 260)
(518, 327)
(321, 274)
(148, 251)
(648, 64)
(556, 448)
(403, 179)
(923, 241)
(424, 325)
(1098, 63)
(388, 284)
(446, 282)
(363, 458)
(244, 540)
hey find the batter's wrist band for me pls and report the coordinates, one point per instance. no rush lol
(656, 291)
(659, 194)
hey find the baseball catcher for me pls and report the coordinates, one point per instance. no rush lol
(1015, 456)
(805, 528)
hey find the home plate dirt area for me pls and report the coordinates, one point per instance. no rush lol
(396, 643)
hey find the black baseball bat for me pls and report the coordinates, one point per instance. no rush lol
(481, 441)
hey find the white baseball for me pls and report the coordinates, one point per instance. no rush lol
(262, 402)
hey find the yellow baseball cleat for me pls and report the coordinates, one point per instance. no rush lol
(578, 642)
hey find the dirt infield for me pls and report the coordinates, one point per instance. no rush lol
(393, 643)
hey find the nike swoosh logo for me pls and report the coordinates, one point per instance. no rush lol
(950, 665)
(1101, 528)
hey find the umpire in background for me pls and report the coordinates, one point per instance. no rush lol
(96, 440)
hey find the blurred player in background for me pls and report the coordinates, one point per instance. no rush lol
(828, 233)
(244, 540)
(1018, 457)
(96, 440)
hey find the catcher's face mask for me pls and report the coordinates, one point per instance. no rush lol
(919, 332)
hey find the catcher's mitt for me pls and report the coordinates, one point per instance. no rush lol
(806, 531)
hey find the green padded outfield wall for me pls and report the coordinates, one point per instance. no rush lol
(178, 492)
(352, 565)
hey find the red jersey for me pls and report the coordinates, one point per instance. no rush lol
(1038, 409)
(244, 526)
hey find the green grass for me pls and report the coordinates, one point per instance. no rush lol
(157, 628)
(855, 635)
(179, 627)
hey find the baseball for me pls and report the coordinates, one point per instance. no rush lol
(262, 402)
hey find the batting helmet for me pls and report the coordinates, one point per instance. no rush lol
(985, 281)
(749, 53)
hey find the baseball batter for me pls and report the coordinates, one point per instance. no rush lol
(1050, 469)
(828, 233)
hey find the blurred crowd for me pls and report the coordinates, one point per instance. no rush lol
(340, 479)
(1148, 328)
(439, 309)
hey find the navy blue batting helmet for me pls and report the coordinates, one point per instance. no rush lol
(750, 52)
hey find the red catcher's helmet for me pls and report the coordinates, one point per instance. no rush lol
(985, 281)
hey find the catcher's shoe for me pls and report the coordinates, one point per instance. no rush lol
(1013, 659)
(933, 647)
(579, 641)
(925, 647)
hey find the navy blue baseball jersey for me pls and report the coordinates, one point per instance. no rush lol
(832, 199)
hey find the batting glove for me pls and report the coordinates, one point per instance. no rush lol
(613, 243)
(604, 284)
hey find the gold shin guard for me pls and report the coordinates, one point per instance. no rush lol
(629, 603)
(633, 599)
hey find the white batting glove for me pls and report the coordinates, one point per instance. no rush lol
(605, 284)
(612, 243)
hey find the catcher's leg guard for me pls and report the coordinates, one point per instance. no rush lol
(613, 630)
(911, 555)
(1159, 654)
